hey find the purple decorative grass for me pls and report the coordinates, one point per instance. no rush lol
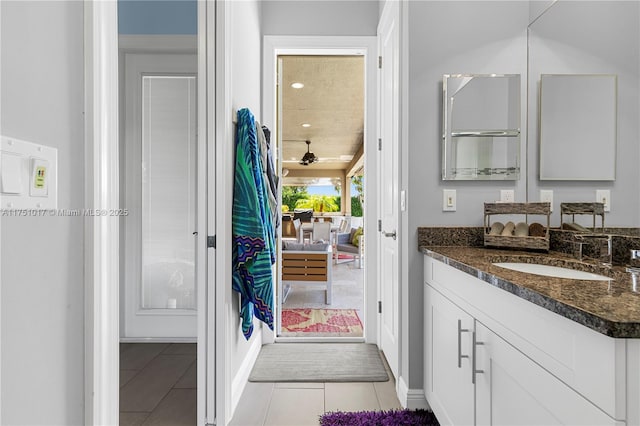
(380, 418)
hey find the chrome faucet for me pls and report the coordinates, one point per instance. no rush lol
(605, 251)
(633, 266)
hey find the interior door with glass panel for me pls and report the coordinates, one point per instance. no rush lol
(159, 186)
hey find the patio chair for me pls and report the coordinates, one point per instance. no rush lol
(345, 246)
(297, 224)
(303, 215)
(321, 231)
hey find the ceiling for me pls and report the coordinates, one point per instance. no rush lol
(332, 102)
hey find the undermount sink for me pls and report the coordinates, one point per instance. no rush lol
(551, 271)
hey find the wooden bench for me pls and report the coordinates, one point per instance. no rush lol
(302, 267)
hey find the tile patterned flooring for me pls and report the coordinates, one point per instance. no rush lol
(158, 384)
(158, 387)
(158, 380)
(301, 404)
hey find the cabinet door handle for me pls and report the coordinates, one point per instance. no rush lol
(474, 370)
(460, 331)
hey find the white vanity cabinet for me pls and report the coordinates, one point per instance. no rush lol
(492, 360)
(511, 389)
(448, 370)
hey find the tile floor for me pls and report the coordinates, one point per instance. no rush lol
(158, 387)
(158, 384)
(300, 404)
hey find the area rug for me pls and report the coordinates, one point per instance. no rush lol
(319, 362)
(380, 418)
(344, 322)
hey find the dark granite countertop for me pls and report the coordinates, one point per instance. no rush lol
(608, 307)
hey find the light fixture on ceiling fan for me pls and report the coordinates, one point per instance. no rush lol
(308, 157)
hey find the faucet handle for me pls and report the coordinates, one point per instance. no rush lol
(635, 254)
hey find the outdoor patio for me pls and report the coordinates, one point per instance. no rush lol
(348, 294)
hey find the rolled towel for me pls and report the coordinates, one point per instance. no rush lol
(496, 228)
(508, 229)
(536, 230)
(521, 230)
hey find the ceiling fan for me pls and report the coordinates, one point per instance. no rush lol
(308, 157)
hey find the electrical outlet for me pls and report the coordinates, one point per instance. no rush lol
(507, 196)
(448, 200)
(604, 196)
(546, 196)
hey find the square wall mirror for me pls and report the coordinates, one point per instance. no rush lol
(481, 127)
(578, 127)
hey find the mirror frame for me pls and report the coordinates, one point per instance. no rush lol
(448, 133)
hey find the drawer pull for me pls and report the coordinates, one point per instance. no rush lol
(474, 370)
(460, 331)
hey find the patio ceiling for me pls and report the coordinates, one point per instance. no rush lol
(332, 103)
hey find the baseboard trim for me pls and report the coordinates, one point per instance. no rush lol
(240, 380)
(412, 399)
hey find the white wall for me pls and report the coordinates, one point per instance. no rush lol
(246, 63)
(42, 258)
(449, 37)
(320, 17)
(603, 38)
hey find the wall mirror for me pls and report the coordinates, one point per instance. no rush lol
(578, 126)
(481, 127)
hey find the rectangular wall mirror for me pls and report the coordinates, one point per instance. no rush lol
(481, 127)
(578, 127)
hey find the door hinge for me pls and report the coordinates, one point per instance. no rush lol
(379, 306)
(211, 241)
(380, 62)
(379, 225)
(379, 144)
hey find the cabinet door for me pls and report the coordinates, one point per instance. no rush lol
(448, 386)
(511, 389)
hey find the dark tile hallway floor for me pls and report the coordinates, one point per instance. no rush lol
(158, 384)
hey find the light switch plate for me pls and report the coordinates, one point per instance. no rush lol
(33, 184)
(449, 200)
(604, 196)
(546, 196)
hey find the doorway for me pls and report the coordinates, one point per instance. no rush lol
(365, 48)
(158, 187)
(321, 146)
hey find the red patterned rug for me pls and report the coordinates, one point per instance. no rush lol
(344, 322)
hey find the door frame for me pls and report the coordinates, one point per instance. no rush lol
(101, 240)
(336, 45)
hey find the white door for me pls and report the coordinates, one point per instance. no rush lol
(388, 40)
(160, 196)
